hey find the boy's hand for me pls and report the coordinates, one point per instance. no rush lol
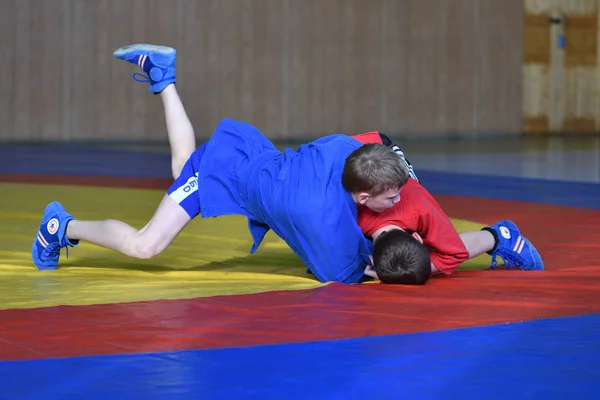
(370, 272)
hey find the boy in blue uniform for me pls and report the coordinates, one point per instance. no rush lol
(298, 194)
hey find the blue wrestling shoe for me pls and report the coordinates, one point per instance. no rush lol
(158, 62)
(513, 248)
(51, 237)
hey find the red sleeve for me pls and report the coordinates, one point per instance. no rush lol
(447, 250)
(369, 137)
(371, 221)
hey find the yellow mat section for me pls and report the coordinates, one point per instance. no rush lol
(210, 257)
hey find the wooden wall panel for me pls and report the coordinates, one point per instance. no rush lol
(498, 49)
(561, 83)
(291, 67)
(581, 48)
(536, 39)
(7, 52)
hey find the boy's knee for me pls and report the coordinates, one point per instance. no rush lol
(144, 250)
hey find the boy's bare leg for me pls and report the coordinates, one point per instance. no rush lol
(170, 218)
(59, 229)
(179, 128)
(148, 242)
(477, 242)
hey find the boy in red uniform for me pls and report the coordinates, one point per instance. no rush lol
(415, 238)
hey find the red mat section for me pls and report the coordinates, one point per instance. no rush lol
(473, 298)
(565, 236)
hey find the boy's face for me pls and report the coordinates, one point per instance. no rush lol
(382, 201)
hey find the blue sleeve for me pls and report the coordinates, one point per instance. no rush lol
(315, 215)
(333, 246)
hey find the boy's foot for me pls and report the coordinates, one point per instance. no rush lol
(51, 237)
(158, 62)
(513, 248)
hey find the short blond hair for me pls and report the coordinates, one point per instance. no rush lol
(373, 169)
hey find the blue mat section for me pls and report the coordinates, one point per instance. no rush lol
(84, 161)
(544, 359)
(573, 194)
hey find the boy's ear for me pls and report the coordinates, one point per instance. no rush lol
(418, 237)
(363, 197)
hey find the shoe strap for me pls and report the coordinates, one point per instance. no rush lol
(141, 77)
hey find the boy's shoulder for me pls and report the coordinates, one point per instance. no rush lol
(413, 189)
(335, 145)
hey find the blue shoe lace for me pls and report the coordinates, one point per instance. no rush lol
(52, 252)
(141, 78)
(509, 260)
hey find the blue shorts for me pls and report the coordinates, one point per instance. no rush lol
(185, 188)
(214, 179)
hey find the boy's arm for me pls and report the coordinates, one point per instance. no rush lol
(331, 244)
(447, 250)
(369, 138)
(379, 138)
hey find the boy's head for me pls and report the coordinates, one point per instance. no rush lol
(374, 175)
(401, 258)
